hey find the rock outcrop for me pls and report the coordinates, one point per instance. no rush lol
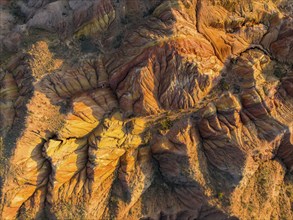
(174, 109)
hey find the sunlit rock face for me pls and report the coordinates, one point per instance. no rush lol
(173, 109)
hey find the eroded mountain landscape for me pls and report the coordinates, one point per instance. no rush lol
(146, 109)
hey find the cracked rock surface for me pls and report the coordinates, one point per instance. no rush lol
(146, 109)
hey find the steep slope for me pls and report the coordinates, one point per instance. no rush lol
(174, 109)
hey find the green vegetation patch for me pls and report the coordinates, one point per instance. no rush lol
(224, 84)
(166, 124)
(279, 72)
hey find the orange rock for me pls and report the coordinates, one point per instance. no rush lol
(176, 109)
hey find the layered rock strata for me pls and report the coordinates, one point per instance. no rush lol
(174, 109)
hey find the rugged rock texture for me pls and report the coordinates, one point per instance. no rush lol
(157, 109)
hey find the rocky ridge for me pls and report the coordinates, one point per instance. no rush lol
(175, 109)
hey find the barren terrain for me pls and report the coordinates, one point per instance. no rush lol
(146, 109)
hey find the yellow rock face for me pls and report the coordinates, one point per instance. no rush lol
(97, 25)
(86, 113)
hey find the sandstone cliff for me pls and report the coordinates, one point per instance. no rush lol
(146, 109)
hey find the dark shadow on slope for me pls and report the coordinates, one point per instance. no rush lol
(68, 206)
(175, 192)
(24, 80)
(39, 209)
